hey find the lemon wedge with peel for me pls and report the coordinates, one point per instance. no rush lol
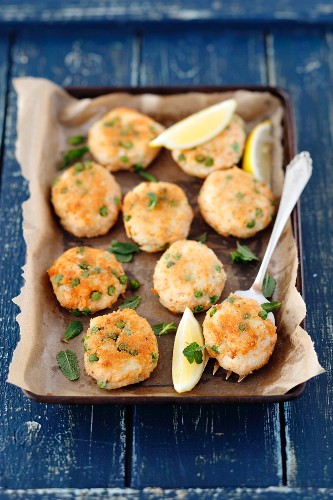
(186, 375)
(258, 152)
(197, 128)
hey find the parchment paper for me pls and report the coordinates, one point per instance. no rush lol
(47, 115)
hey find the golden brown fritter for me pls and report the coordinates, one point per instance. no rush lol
(87, 280)
(120, 349)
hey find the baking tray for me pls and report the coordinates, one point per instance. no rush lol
(158, 388)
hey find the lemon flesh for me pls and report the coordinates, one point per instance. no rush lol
(186, 375)
(258, 152)
(197, 128)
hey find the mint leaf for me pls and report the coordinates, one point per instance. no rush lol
(131, 303)
(268, 286)
(243, 254)
(163, 328)
(68, 364)
(73, 330)
(271, 306)
(123, 257)
(74, 154)
(202, 238)
(76, 140)
(147, 176)
(193, 352)
(123, 248)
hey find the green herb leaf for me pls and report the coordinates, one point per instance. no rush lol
(74, 154)
(153, 200)
(73, 330)
(193, 352)
(123, 248)
(215, 348)
(243, 254)
(75, 140)
(268, 286)
(131, 303)
(271, 306)
(198, 294)
(84, 312)
(134, 285)
(148, 176)
(68, 364)
(163, 328)
(145, 175)
(202, 238)
(123, 258)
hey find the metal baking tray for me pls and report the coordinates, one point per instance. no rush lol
(158, 388)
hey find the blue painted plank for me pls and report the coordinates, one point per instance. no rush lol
(75, 11)
(303, 65)
(206, 56)
(45, 445)
(4, 56)
(205, 446)
(271, 493)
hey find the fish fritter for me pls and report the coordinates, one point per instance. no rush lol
(87, 199)
(221, 152)
(120, 139)
(86, 280)
(237, 336)
(156, 214)
(120, 349)
(189, 274)
(235, 203)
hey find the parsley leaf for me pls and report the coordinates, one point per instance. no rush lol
(73, 330)
(271, 306)
(131, 303)
(193, 352)
(243, 254)
(68, 364)
(268, 286)
(153, 200)
(163, 328)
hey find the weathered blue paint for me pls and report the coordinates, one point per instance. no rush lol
(307, 74)
(46, 446)
(53, 445)
(16, 12)
(205, 445)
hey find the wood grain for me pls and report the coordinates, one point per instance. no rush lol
(307, 74)
(17, 12)
(45, 445)
(201, 446)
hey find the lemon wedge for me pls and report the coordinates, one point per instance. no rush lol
(258, 152)
(197, 128)
(186, 375)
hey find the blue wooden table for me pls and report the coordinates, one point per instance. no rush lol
(200, 452)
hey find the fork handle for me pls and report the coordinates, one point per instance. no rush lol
(298, 173)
